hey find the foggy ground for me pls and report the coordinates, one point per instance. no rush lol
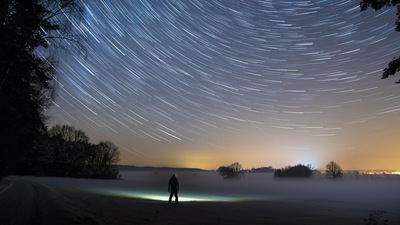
(140, 198)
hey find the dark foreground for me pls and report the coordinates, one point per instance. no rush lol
(31, 200)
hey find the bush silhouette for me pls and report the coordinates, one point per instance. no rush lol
(232, 171)
(298, 170)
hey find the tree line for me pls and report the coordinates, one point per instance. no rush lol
(65, 151)
(235, 170)
(31, 32)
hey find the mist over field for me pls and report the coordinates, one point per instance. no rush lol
(141, 197)
(260, 186)
(375, 192)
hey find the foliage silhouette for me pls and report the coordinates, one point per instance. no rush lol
(268, 169)
(333, 169)
(65, 151)
(232, 171)
(394, 65)
(29, 32)
(298, 170)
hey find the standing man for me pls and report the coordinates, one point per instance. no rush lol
(173, 188)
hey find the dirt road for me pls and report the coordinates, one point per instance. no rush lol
(23, 202)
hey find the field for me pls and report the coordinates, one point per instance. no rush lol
(140, 197)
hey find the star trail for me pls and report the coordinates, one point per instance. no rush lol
(262, 82)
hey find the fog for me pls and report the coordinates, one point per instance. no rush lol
(258, 196)
(378, 192)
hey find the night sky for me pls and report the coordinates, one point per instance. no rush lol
(208, 83)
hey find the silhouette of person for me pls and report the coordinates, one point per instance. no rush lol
(173, 188)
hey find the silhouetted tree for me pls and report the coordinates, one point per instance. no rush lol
(61, 152)
(231, 171)
(68, 134)
(298, 170)
(28, 33)
(108, 156)
(66, 151)
(333, 169)
(394, 65)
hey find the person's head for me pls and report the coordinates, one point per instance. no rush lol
(173, 175)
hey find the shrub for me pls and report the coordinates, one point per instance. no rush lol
(298, 170)
(232, 171)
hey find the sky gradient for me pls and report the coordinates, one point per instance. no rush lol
(208, 83)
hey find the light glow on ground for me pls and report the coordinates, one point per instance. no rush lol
(184, 197)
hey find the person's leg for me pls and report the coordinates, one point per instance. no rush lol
(170, 197)
(176, 197)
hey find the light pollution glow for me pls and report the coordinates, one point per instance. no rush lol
(208, 83)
